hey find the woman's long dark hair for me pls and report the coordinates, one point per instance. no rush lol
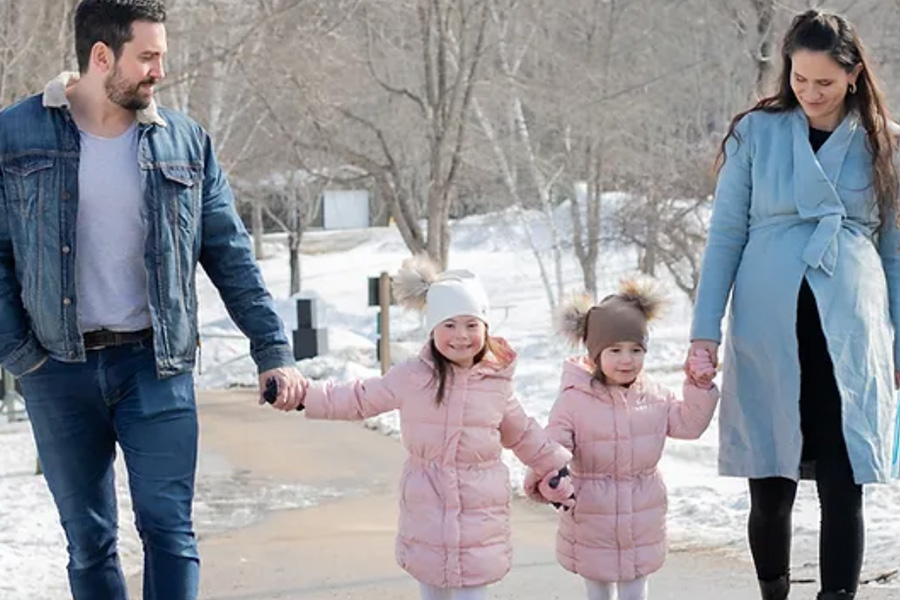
(821, 31)
(443, 370)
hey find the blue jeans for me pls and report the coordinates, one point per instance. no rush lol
(78, 412)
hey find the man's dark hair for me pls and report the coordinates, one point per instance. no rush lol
(109, 21)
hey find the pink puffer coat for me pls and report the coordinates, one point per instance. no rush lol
(454, 491)
(617, 530)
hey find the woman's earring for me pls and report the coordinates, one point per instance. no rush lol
(852, 88)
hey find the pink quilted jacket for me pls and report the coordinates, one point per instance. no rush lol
(617, 530)
(454, 491)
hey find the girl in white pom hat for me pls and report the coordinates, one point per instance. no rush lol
(458, 411)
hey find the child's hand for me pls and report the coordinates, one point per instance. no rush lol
(560, 494)
(700, 369)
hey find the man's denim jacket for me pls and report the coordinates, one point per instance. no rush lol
(190, 217)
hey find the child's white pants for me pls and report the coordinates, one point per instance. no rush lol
(628, 590)
(430, 592)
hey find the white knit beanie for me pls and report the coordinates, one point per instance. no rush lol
(454, 294)
(440, 296)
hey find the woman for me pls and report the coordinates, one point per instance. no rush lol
(804, 235)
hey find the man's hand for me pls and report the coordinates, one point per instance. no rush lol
(291, 387)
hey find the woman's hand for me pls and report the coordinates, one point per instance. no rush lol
(701, 368)
(710, 347)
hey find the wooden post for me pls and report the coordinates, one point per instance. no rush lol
(384, 338)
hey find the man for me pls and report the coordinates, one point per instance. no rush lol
(107, 203)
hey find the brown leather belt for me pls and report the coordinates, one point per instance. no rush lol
(104, 338)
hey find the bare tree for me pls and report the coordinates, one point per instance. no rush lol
(588, 147)
(35, 45)
(290, 200)
(514, 150)
(442, 107)
(765, 22)
(753, 24)
(396, 105)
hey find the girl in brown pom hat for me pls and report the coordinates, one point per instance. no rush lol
(615, 421)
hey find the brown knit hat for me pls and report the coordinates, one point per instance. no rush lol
(621, 317)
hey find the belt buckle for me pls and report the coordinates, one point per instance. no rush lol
(97, 345)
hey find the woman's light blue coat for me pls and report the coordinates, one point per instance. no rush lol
(782, 212)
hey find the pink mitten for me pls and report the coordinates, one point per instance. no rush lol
(701, 368)
(563, 494)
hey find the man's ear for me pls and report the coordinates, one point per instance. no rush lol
(102, 57)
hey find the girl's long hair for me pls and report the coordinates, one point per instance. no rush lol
(821, 31)
(443, 367)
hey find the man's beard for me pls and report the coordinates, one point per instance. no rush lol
(126, 95)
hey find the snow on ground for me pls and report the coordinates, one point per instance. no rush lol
(705, 510)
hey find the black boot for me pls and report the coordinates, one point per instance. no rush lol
(777, 589)
(842, 595)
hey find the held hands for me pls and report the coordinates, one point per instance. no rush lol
(284, 388)
(556, 487)
(700, 368)
(702, 355)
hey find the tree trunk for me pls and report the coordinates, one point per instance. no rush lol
(294, 239)
(294, 248)
(589, 262)
(402, 213)
(587, 233)
(436, 225)
(648, 260)
(258, 230)
(765, 15)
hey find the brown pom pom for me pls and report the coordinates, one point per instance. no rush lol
(645, 294)
(410, 284)
(571, 318)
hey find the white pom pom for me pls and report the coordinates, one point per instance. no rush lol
(411, 283)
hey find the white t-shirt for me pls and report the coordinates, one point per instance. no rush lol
(110, 275)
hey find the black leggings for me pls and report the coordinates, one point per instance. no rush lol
(841, 537)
